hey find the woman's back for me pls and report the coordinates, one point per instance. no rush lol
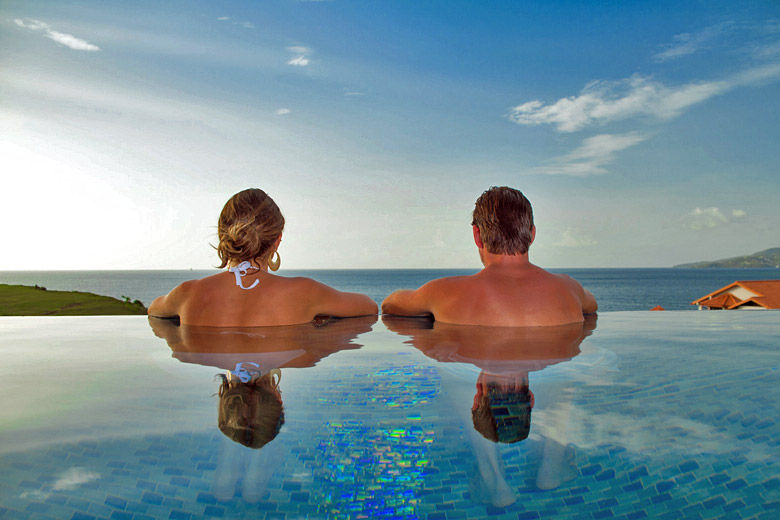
(250, 231)
(217, 301)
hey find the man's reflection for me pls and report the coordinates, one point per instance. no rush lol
(250, 409)
(502, 407)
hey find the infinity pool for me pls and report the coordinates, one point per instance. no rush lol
(642, 415)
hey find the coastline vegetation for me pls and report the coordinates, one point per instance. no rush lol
(25, 300)
(769, 258)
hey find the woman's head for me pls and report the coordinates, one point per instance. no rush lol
(251, 413)
(248, 227)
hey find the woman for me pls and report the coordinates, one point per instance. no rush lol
(250, 231)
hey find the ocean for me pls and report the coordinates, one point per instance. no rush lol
(615, 289)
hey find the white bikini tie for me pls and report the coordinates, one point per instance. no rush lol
(241, 270)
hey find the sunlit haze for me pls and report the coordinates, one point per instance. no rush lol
(645, 134)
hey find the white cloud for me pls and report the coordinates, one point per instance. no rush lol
(74, 477)
(71, 41)
(298, 61)
(67, 40)
(687, 43)
(299, 49)
(282, 111)
(247, 25)
(223, 18)
(605, 101)
(712, 217)
(301, 58)
(574, 238)
(592, 155)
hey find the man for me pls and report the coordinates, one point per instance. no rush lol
(510, 290)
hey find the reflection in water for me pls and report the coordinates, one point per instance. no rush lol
(250, 410)
(502, 407)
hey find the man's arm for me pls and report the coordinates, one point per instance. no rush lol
(406, 302)
(589, 304)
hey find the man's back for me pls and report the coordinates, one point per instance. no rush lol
(498, 295)
(510, 291)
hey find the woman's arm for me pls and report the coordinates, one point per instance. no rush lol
(326, 300)
(169, 305)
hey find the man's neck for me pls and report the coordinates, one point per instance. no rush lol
(504, 261)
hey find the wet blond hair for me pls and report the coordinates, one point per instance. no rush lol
(505, 220)
(248, 226)
(250, 413)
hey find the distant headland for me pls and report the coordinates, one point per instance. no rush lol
(25, 300)
(769, 258)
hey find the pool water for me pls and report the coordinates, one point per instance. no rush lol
(640, 415)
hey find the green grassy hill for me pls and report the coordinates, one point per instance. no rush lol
(23, 300)
(768, 258)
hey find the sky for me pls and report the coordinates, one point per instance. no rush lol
(645, 134)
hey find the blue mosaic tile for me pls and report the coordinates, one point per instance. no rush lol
(772, 483)
(685, 479)
(206, 498)
(37, 507)
(634, 486)
(145, 484)
(152, 498)
(121, 515)
(719, 479)
(657, 499)
(732, 506)
(116, 502)
(180, 481)
(606, 475)
(214, 511)
(714, 502)
(637, 473)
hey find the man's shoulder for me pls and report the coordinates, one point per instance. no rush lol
(449, 283)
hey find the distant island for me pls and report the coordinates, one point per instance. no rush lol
(769, 258)
(25, 300)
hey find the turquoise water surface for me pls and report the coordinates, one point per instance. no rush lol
(649, 415)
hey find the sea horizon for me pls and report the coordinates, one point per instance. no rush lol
(615, 288)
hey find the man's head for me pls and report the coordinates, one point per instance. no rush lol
(505, 221)
(502, 412)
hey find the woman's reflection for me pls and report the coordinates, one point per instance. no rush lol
(250, 409)
(501, 359)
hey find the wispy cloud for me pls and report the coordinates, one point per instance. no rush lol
(601, 102)
(68, 480)
(246, 25)
(300, 56)
(712, 217)
(689, 43)
(574, 238)
(67, 40)
(74, 477)
(592, 155)
(282, 112)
